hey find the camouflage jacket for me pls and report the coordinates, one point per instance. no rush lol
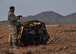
(12, 18)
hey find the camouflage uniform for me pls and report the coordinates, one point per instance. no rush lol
(13, 29)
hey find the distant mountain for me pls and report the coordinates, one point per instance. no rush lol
(73, 15)
(71, 18)
(51, 17)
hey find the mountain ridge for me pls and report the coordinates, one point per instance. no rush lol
(51, 17)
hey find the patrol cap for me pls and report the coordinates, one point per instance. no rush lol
(12, 8)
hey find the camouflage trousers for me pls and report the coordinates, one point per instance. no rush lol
(13, 36)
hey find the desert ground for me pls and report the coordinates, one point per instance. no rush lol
(62, 41)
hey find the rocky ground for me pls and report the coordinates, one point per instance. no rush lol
(62, 41)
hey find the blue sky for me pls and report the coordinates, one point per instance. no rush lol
(33, 7)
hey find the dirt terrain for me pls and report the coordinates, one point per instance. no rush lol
(62, 41)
